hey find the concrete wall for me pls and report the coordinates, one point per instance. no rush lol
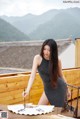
(77, 56)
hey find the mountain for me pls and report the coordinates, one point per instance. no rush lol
(30, 22)
(64, 24)
(10, 33)
(58, 24)
(10, 19)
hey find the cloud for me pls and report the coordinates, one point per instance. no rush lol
(22, 7)
(8, 6)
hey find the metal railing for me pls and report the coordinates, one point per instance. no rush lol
(75, 109)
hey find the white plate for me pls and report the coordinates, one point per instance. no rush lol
(30, 109)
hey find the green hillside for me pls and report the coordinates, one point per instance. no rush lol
(10, 33)
(30, 22)
(58, 24)
(63, 25)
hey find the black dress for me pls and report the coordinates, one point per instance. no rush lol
(56, 96)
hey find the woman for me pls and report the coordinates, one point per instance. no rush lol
(50, 70)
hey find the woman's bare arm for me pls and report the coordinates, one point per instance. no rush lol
(36, 63)
(33, 72)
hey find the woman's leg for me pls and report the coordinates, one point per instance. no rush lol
(43, 100)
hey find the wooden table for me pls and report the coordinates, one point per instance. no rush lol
(12, 115)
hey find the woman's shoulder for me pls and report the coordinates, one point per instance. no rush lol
(59, 62)
(38, 58)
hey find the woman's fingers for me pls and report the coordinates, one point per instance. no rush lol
(25, 93)
(68, 93)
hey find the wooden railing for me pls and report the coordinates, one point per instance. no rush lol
(12, 86)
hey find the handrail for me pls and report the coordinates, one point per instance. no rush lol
(71, 68)
(29, 72)
(75, 114)
(77, 87)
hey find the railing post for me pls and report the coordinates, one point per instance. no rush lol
(75, 111)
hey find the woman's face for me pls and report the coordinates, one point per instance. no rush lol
(46, 52)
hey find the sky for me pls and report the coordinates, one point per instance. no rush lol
(37, 7)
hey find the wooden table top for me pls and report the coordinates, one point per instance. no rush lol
(57, 110)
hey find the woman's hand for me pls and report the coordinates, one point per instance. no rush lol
(25, 93)
(68, 93)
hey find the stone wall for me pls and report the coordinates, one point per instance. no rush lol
(21, 54)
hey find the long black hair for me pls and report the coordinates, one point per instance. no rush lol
(53, 62)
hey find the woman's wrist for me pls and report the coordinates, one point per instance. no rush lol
(27, 90)
(66, 85)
